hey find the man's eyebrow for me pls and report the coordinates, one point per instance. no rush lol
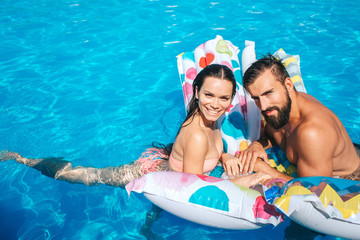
(264, 93)
(268, 91)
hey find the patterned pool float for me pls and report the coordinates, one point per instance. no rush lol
(323, 204)
(207, 200)
(327, 205)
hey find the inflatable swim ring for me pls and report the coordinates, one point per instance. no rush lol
(207, 200)
(326, 205)
(323, 204)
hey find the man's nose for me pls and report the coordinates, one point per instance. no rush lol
(263, 104)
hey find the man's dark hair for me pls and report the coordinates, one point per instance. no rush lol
(267, 62)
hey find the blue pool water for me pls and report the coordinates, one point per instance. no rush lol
(96, 82)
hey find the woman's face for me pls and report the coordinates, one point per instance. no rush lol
(214, 98)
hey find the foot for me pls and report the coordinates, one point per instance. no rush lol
(6, 155)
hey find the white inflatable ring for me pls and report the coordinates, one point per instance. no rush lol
(207, 200)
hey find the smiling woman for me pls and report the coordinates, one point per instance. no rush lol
(199, 146)
(199, 142)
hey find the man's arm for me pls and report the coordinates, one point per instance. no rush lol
(314, 148)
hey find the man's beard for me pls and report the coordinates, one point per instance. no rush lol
(282, 119)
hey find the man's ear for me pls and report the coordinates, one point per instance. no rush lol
(289, 84)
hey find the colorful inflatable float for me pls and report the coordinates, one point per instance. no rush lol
(327, 205)
(207, 200)
(323, 204)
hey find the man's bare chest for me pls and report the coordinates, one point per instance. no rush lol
(285, 141)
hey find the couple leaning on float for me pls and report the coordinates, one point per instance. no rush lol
(310, 134)
(223, 122)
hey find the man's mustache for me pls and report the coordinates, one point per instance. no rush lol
(270, 109)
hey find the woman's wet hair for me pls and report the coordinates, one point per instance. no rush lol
(214, 70)
(166, 148)
(267, 62)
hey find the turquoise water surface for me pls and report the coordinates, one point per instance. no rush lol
(96, 82)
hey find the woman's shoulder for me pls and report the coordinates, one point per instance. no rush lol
(189, 139)
(194, 134)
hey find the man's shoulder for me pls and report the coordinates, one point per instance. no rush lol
(312, 109)
(309, 129)
(315, 132)
(314, 115)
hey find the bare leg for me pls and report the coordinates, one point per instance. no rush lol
(112, 176)
(6, 155)
(151, 216)
(60, 169)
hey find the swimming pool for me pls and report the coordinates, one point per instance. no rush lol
(97, 82)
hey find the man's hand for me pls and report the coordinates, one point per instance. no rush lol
(248, 157)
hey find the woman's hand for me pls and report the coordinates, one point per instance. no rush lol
(232, 165)
(248, 157)
(251, 179)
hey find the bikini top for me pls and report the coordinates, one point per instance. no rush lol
(178, 166)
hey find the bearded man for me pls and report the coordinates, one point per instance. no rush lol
(310, 134)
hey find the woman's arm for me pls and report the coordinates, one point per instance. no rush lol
(194, 152)
(261, 166)
(231, 164)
